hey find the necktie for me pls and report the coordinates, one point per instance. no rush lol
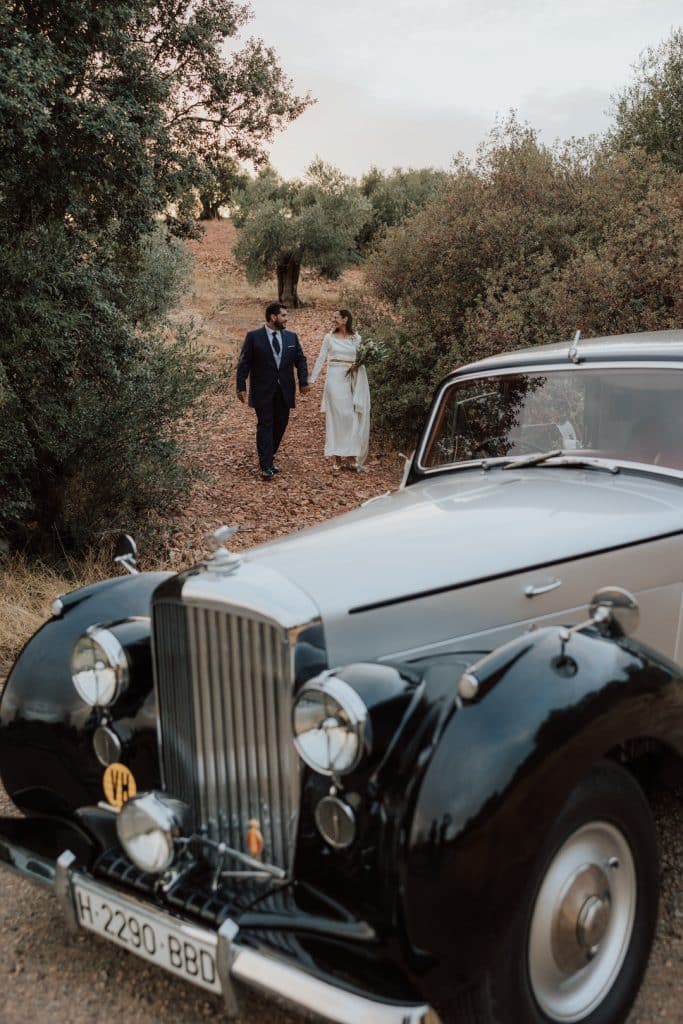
(276, 345)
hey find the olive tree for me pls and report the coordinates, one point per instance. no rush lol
(285, 225)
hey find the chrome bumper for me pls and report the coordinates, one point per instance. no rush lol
(268, 974)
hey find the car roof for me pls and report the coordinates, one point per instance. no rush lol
(646, 345)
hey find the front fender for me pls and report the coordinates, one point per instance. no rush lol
(503, 768)
(47, 763)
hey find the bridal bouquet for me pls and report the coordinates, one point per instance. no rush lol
(364, 354)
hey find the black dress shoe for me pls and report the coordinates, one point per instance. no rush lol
(274, 469)
(267, 474)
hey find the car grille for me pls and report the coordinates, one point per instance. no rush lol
(224, 684)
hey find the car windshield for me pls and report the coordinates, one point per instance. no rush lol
(633, 415)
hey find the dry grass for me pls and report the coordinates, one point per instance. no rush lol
(26, 592)
(28, 588)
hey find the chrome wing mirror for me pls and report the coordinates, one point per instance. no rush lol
(613, 612)
(126, 553)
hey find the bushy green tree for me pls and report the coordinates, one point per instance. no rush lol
(395, 196)
(649, 111)
(524, 245)
(285, 225)
(109, 113)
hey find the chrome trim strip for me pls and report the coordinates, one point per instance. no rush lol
(506, 371)
(320, 997)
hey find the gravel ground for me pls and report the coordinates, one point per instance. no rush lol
(50, 977)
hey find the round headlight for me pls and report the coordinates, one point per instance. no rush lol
(147, 826)
(330, 725)
(99, 667)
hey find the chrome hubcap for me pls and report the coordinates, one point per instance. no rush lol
(582, 922)
(581, 918)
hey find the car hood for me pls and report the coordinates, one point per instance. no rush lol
(470, 526)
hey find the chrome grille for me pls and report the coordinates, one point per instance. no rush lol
(224, 684)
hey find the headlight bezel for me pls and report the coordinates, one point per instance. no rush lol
(332, 686)
(116, 662)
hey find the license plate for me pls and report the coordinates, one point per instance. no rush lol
(151, 934)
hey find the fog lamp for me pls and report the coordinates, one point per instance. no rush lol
(99, 667)
(147, 826)
(330, 722)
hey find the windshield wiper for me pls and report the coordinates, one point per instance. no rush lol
(535, 459)
(560, 457)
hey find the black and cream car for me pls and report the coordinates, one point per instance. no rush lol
(390, 769)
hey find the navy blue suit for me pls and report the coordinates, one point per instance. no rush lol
(271, 389)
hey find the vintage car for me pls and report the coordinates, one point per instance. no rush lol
(392, 769)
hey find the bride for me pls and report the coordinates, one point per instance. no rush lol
(346, 395)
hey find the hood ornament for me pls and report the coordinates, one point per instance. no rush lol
(222, 561)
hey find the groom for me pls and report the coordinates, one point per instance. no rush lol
(268, 358)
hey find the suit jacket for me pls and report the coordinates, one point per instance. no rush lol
(257, 362)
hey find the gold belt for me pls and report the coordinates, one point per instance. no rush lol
(343, 362)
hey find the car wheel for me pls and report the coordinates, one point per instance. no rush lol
(579, 946)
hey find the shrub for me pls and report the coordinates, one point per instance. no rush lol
(90, 403)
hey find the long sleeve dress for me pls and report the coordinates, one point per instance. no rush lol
(346, 398)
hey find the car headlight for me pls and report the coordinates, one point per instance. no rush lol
(147, 827)
(99, 667)
(330, 721)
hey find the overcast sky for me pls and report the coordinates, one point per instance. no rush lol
(410, 82)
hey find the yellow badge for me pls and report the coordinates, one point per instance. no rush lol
(118, 784)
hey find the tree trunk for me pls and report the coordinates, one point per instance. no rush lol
(209, 210)
(288, 270)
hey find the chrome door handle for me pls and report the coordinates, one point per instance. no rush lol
(544, 588)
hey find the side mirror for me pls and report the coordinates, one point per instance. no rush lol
(126, 553)
(615, 611)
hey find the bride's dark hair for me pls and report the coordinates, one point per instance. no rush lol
(346, 313)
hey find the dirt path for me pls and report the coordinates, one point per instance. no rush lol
(49, 977)
(307, 490)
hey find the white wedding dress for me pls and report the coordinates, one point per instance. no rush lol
(346, 398)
